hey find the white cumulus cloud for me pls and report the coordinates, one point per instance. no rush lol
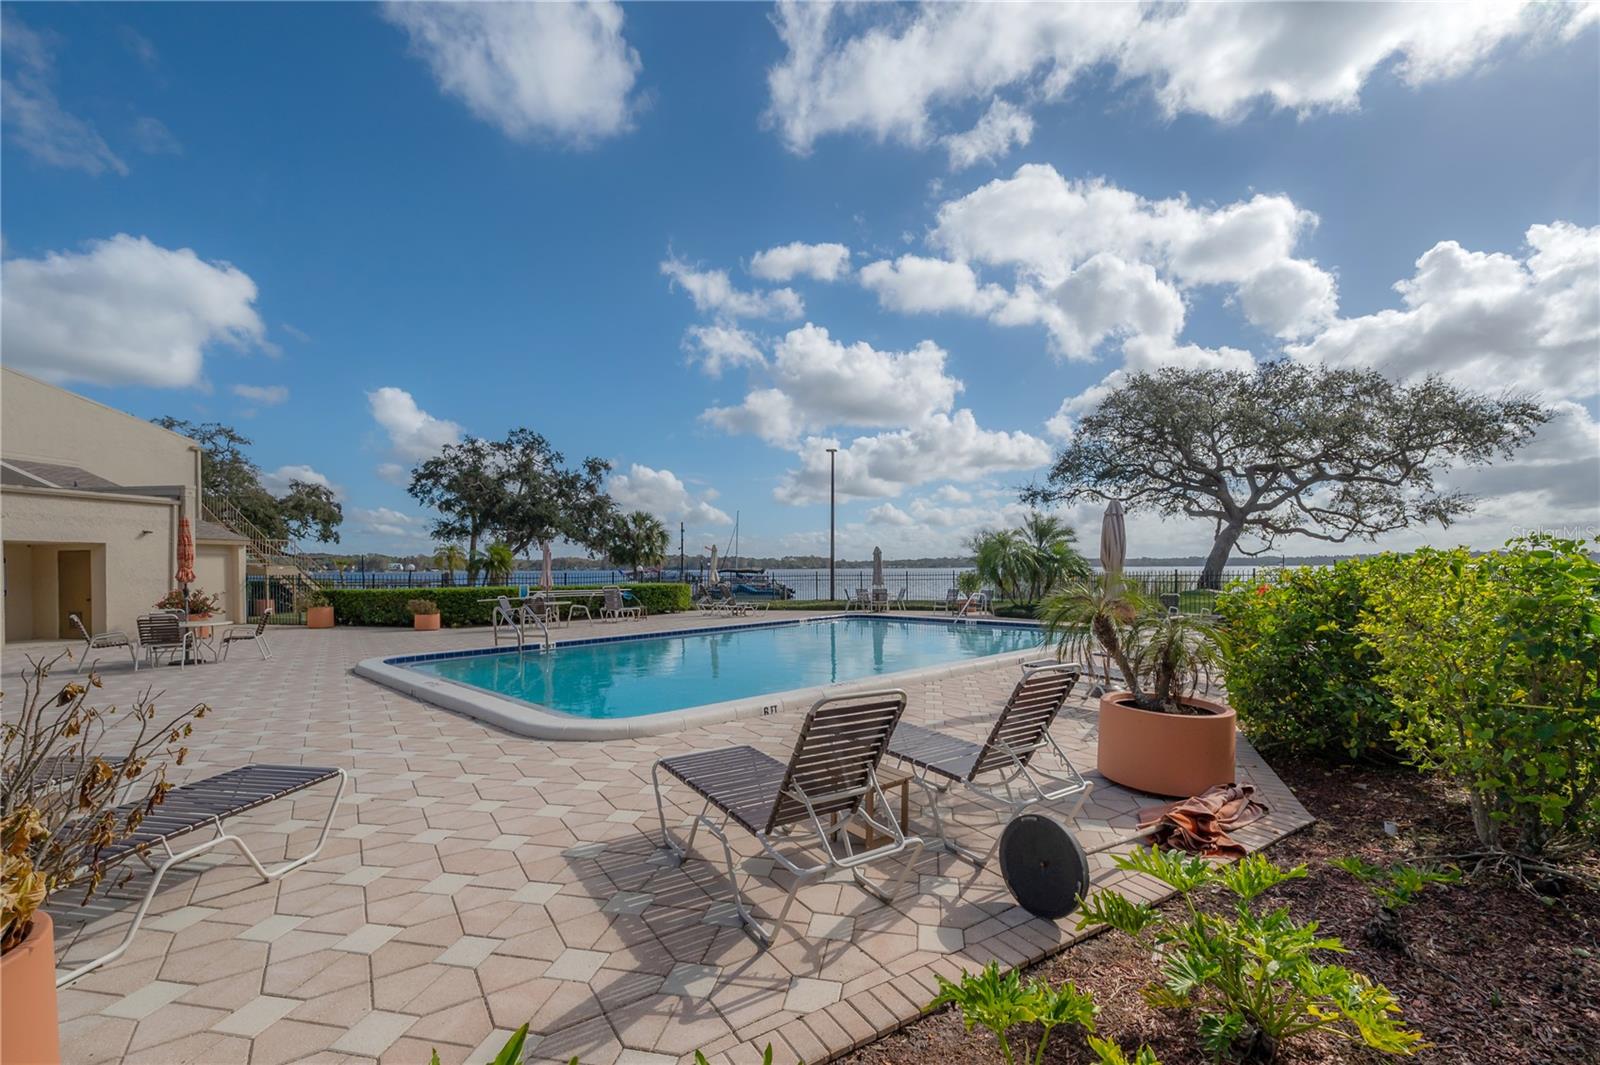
(915, 284)
(895, 74)
(562, 71)
(662, 493)
(1003, 127)
(824, 262)
(719, 346)
(1488, 319)
(713, 293)
(124, 311)
(277, 481)
(414, 434)
(267, 395)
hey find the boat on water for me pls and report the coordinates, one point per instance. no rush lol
(755, 584)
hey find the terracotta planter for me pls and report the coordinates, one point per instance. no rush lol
(28, 1032)
(425, 622)
(1166, 754)
(204, 631)
(319, 617)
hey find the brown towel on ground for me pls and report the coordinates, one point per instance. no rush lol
(1201, 825)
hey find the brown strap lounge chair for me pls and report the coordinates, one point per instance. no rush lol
(829, 775)
(204, 804)
(1002, 769)
(102, 641)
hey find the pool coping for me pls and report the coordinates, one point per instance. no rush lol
(539, 722)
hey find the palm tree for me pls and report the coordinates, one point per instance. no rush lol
(448, 559)
(647, 540)
(1056, 556)
(1006, 560)
(498, 562)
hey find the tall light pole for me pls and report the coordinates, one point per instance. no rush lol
(832, 452)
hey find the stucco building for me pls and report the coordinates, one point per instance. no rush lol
(90, 499)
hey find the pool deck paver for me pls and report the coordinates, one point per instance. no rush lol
(476, 880)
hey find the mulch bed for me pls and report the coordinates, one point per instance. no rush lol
(1499, 975)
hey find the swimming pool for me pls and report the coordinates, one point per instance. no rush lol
(636, 684)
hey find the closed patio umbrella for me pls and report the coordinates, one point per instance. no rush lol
(877, 567)
(1113, 538)
(546, 578)
(712, 578)
(185, 574)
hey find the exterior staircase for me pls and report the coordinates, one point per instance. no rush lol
(284, 575)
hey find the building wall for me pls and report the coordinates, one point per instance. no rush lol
(132, 562)
(219, 569)
(49, 424)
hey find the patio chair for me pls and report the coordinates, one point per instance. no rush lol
(900, 600)
(162, 633)
(940, 761)
(880, 598)
(203, 804)
(543, 609)
(613, 607)
(102, 641)
(952, 602)
(859, 599)
(830, 774)
(256, 634)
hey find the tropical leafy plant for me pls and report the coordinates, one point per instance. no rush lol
(1393, 888)
(198, 601)
(1026, 563)
(1000, 1002)
(1255, 979)
(76, 780)
(510, 1054)
(1162, 656)
(447, 560)
(422, 607)
(638, 540)
(1108, 1053)
(498, 562)
(306, 598)
(1494, 664)
(1301, 674)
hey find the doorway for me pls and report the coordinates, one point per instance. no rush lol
(73, 590)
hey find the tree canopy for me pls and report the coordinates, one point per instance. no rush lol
(1288, 450)
(637, 540)
(305, 511)
(519, 490)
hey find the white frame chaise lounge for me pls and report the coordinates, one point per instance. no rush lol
(206, 804)
(940, 761)
(831, 772)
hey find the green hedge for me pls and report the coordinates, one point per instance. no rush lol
(1301, 673)
(461, 606)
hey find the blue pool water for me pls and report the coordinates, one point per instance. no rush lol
(648, 675)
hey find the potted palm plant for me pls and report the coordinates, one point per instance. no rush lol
(1156, 734)
(424, 614)
(76, 780)
(314, 603)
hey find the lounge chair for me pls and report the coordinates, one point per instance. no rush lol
(162, 633)
(831, 772)
(204, 804)
(613, 607)
(102, 641)
(940, 761)
(256, 634)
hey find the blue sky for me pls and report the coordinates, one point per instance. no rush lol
(387, 232)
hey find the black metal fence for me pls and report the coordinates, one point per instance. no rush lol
(807, 585)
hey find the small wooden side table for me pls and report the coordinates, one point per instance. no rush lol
(889, 778)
